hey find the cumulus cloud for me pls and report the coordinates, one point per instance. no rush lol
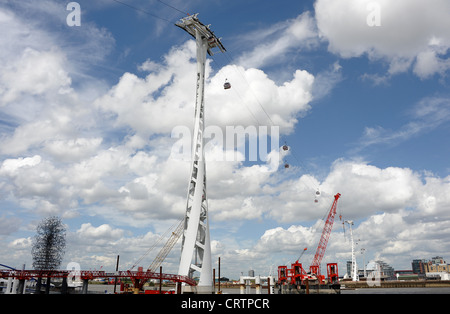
(34, 73)
(410, 34)
(168, 90)
(10, 166)
(39, 68)
(79, 166)
(366, 190)
(103, 232)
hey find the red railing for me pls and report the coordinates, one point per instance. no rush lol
(92, 274)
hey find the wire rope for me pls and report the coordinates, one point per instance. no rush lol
(172, 7)
(141, 10)
(230, 59)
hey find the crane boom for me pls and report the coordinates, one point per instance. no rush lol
(315, 265)
(303, 252)
(167, 247)
(164, 250)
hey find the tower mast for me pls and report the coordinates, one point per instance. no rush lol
(196, 246)
(354, 273)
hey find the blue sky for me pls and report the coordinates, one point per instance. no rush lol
(86, 114)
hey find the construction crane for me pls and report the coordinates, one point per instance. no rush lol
(315, 265)
(167, 247)
(297, 274)
(159, 259)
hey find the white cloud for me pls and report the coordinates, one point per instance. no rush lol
(38, 70)
(367, 189)
(10, 166)
(9, 224)
(428, 63)
(103, 232)
(326, 80)
(427, 115)
(73, 149)
(273, 44)
(411, 32)
(165, 96)
(396, 238)
(35, 73)
(128, 179)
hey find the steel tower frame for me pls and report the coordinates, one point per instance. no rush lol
(196, 245)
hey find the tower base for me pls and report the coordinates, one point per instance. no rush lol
(186, 289)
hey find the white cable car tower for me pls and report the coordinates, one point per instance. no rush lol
(196, 246)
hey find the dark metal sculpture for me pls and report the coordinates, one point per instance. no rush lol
(49, 244)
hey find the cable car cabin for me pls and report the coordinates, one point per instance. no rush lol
(285, 147)
(316, 201)
(317, 192)
(286, 166)
(227, 85)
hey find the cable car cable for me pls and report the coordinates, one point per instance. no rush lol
(172, 7)
(230, 61)
(230, 58)
(143, 11)
(238, 94)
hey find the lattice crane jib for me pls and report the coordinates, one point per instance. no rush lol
(315, 265)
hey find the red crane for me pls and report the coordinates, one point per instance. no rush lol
(296, 274)
(315, 265)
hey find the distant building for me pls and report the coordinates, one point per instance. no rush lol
(386, 271)
(418, 266)
(436, 267)
(438, 260)
(406, 275)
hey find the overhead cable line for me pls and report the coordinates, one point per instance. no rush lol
(231, 61)
(143, 11)
(172, 7)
